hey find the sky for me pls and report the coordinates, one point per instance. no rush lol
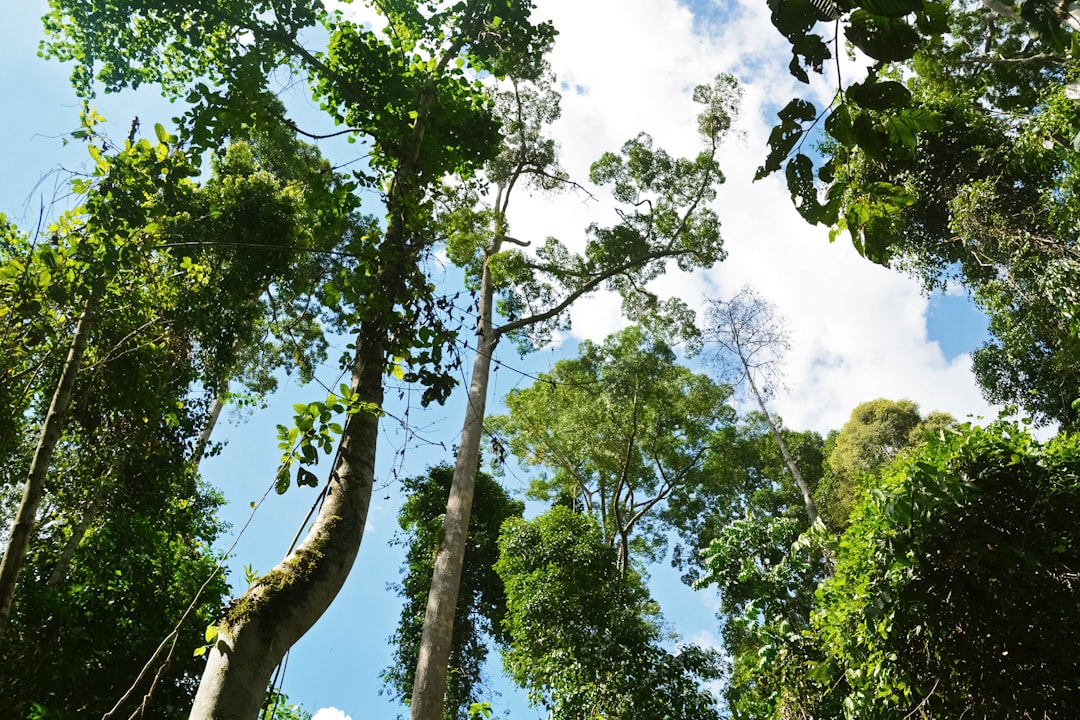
(858, 331)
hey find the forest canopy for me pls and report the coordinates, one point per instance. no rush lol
(358, 202)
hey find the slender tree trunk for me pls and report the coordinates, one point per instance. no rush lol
(34, 488)
(283, 605)
(429, 684)
(808, 498)
(60, 570)
(211, 422)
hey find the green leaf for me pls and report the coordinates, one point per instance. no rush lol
(211, 633)
(869, 136)
(882, 38)
(933, 19)
(281, 480)
(838, 124)
(786, 134)
(872, 94)
(800, 181)
(305, 477)
(162, 135)
(892, 8)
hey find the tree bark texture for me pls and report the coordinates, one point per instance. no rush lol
(286, 602)
(429, 684)
(808, 498)
(260, 627)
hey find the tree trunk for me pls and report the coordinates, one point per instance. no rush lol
(63, 562)
(808, 498)
(34, 488)
(260, 627)
(429, 683)
(211, 422)
(283, 605)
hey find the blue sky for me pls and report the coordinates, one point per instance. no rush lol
(858, 331)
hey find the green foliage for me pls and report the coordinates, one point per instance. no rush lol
(622, 427)
(583, 636)
(744, 477)
(738, 532)
(182, 272)
(954, 160)
(953, 593)
(954, 590)
(277, 707)
(133, 574)
(481, 601)
(877, 433)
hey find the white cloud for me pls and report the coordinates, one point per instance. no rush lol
(858, 330)
(330, 713)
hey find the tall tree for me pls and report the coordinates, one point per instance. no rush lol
(404, 89)
(739, 531)
(664, 217)
(875, 435)
(584, 639)
(622, 428)
(482, 601)
(130, 197)
(184, 290)
(749, 340)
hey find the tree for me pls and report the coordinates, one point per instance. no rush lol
(133, 574)
(877, 433)
(622, 428)
(954, 591)
(117, 215)
(583, 639)
(739, 531)
(664, 218)
(482, 602)
(406, 91)
(182, 273)
(954, 160)
(749, 339)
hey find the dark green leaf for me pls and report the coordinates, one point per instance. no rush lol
(892, 8)
(786, 134)
(281, 480)
(882, 38)
(873, 94)
(305, 477)
(838, 124)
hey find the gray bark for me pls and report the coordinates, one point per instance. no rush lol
(63, 562)
(208, 429)
(808, 498)
(286, 602)
(429, 684)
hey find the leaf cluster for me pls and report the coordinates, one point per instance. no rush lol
(583, 641)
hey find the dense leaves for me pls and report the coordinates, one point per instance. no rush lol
(583, 635)
(481, 602)
(955, 584)
(953, 591)
(621, 428)
(877, 433)
(954, 160)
